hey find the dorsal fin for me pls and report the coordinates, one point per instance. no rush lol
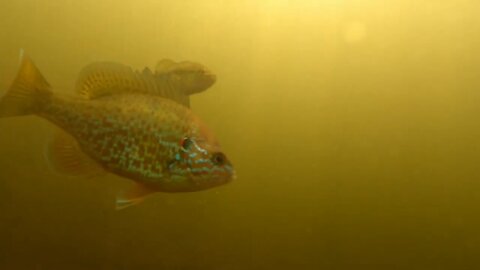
(106, 78)
(163, 66)
(186, 76)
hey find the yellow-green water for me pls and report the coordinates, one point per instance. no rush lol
(353, 125)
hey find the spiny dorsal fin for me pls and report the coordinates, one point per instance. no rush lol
(105, 78)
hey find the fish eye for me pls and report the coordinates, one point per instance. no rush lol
(218, 158)
(186, 143)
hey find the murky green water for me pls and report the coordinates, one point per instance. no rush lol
(353, 125)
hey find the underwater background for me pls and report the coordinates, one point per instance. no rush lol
(353, 127)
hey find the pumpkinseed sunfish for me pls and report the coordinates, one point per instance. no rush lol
(137, 125)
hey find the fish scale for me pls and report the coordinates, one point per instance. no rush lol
(124, 134)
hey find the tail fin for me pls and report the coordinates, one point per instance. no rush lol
(28, 92)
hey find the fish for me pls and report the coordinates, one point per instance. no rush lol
(136, 125)
(175, 80)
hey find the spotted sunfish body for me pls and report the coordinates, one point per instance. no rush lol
(127, 123)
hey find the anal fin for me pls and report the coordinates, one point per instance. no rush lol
(65, 157)
(135, 195)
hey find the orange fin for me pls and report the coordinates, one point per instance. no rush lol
(66, 157)
(28, 92)
(134, 195)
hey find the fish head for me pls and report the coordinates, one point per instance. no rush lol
(190, 77)
(201, 161)
(208, 164)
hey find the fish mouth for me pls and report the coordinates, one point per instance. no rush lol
(211, 76)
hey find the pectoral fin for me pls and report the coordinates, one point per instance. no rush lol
(134, 195)
(66, 157)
